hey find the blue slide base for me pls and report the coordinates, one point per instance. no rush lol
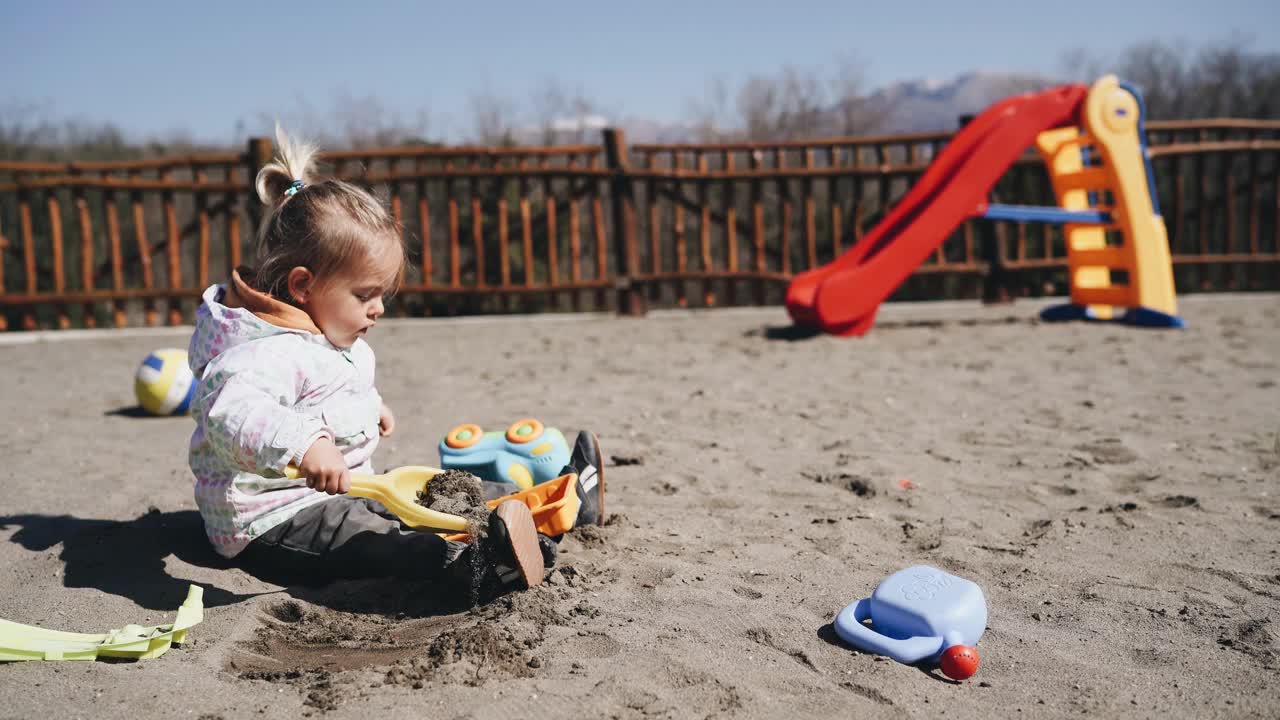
(1139, 316)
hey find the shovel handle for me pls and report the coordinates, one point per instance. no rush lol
(361, 479)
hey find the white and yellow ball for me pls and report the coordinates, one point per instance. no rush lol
(164, 384)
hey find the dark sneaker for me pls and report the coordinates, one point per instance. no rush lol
(548, 547)
(588, 463)
(508, 558)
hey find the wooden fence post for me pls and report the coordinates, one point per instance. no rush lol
(626, 252)
(4, 246)
(995, 282)
(259, 154)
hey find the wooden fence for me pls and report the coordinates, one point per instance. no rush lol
(601, 226)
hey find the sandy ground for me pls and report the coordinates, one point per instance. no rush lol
(1115, 492)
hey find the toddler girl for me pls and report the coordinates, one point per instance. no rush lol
(286, 378)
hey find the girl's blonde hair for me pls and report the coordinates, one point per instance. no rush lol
(320, 225)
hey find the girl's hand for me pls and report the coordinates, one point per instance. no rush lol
(324, 468)
(386, 421)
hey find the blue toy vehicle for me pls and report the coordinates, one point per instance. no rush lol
(526, 454)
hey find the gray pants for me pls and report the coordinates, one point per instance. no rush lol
(349, 537)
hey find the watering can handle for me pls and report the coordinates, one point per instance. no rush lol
(910, 650)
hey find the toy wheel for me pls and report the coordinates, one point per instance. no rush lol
(524, 431)
(463, 436)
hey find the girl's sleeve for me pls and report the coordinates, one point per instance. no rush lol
(247, 401)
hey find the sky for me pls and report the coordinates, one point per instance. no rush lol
(218, 71)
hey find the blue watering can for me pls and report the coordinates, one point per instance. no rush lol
(918, 614)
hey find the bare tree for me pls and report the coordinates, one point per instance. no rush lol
(350, 122)
(367, 122)
(1159, 70)
(759, 104)
(23, 128)
(492, 119)
(793, 102)
(1080, 65)
(1264, 85)
(805, 103)
(1230, 80)
(710, 114)
(563, 115)
(1224, 78)
(547, 101)
(854, 112)
(29, 132)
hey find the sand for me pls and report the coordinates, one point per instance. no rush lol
(1114, 491)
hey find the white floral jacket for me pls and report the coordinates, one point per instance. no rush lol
(269, 388)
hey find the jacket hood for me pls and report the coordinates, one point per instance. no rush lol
(234, 314)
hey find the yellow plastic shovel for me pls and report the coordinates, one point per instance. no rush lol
(398, 492)
(554, 503)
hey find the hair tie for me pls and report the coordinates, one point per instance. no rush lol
(294, 187)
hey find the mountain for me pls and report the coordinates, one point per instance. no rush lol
(931, 106)
(906, 106)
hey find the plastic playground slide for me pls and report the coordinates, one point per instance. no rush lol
(842, 296)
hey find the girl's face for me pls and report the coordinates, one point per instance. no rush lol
(347, 305)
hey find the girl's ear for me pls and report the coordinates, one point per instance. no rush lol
(300, 283)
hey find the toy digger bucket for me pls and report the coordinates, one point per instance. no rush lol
(554, 505)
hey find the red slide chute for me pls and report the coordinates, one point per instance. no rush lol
(842, 296)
